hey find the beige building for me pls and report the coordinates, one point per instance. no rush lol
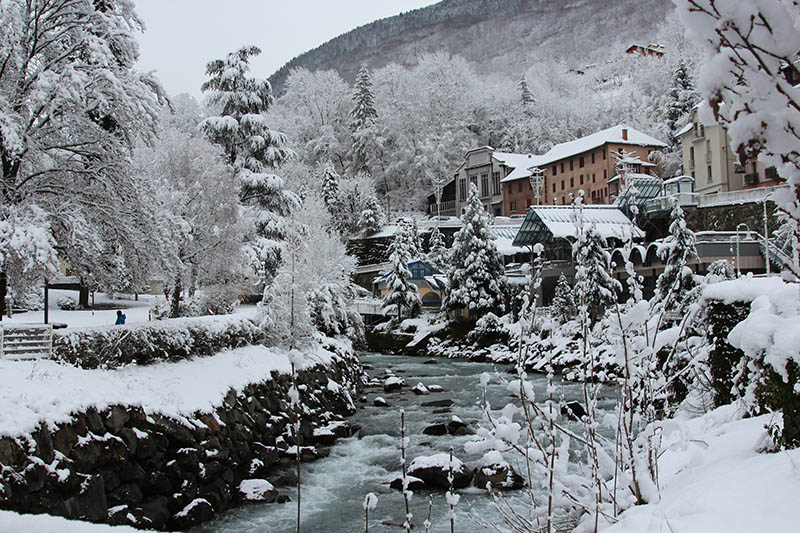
(708, 158)
(485, 168)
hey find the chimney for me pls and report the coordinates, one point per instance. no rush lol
(624, 134)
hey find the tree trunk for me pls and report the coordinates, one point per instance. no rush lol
(3, 292)
(175, 304)
(83, 297)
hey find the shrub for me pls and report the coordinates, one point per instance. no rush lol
(488, 330)
(115, 346)
(67, 303)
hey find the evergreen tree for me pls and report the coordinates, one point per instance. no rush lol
(330, 186)
(526, 96)
(682, 97)
(475, 278)
(363, 117)
(563, 306)
(594, 286)
(437, 252)
(415, 240)
(253, 149)
(371, 218)
(403, 295)
(674, 287)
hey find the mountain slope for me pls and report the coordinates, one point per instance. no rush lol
(494, 35)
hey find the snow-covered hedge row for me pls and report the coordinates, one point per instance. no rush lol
(109, 347)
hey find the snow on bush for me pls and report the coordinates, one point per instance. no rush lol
(110, 347)
(67, 303)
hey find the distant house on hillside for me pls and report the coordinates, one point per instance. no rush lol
(651, 50)
(429, 280)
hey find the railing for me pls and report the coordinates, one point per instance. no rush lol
(779, 253)
(445, 209)
(26, 341)
(368, 306)
(664, 203)
(737, 197)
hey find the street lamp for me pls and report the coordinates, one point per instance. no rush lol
(738, 267)
(438, 186)
(537, 182)
(766, 235)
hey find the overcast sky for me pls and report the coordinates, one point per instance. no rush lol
(181, 36)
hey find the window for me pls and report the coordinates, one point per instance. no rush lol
(527, 202)
(571, 182)
(593, 178)
(519, 186)
(572, 164)
(554, 187)
(512, 206)
(710, 178)
(555, 170)
(562, 185)
(562, 166)
(462, 187)
(593, 158)
(581, 179)
(496, 183)
(605, 174)
(474, 180)
(604, 154)
(484, 184)
(580, 162)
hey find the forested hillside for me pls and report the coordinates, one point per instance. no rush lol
(494, 35)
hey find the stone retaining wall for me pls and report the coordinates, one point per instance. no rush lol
(124, 466)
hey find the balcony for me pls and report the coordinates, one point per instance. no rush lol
(445, 209)
(751, 178)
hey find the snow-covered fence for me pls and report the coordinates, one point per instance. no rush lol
(26, 341)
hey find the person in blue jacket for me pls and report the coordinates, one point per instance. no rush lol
(120, 318)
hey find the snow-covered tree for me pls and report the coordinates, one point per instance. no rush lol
(414, 239)
(437, 251)
(403, 295)
(563, 306)
(71, 108)
(682, 97)
(748, 49)
(594, 287)
(330, 186)
(476, 267)
(357, 209)
(371, 218)
(253, 149)
(363, 117)
(674, 287)
(526, 96)
(199, 209)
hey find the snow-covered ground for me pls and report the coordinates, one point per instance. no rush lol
(11, 522)
(34, 391)
(136, 311)
(713, 479)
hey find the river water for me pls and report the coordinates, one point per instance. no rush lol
(334, 488)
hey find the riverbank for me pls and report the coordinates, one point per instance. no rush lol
(165, 445)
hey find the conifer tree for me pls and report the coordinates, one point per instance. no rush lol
(403, 295)
(674, 287)
(593, 284)
(682, 97)
(371, 217)
(526, 96)
(253, 149)
(477, 271)
(437, 254)
(330, 185)
(563, 307)
(415, 240)
(363, 117)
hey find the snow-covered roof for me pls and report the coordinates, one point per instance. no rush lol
(686, 129)
(683, 178)
(548, 223)
(504, 238)
(578, 146)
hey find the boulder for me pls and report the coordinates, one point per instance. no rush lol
(456, 426)
(430, 362)
(435, 429)
(433, 471)
(438, 403)
(393, 383)
(380, 402)
(573, 410)
(436, 388)
(258, 490)
(420, 390)
(196, 512)
(495, 470)
(414, 483)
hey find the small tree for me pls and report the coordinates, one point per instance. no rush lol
(437, 252)
(477, 271)
(593, 284)
(371, 217)
(563, 307)
(674, 287)
(402, 293)
(330, 186)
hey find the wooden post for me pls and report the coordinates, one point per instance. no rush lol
(46, 301)
(3, 291)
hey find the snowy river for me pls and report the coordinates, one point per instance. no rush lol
(333, 488)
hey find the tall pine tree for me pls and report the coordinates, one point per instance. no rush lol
(526, 96)
(674, 287)
(594, 286)
(477, 272)
(403, 295)
(363, 117)
(330, 186)
(254, 150)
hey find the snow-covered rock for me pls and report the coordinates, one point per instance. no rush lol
(434, 469)
(258, 490)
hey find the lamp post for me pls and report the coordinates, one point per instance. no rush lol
(438, 186)
(537, 182)
(738, 267)
(766, 235)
